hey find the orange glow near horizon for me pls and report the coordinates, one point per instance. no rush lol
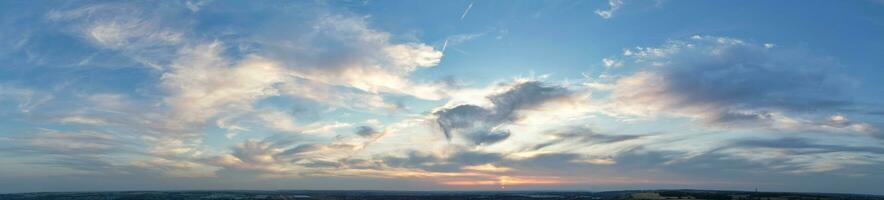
(504, 181)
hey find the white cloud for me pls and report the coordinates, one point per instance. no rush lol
(119, 34)
(370, 62)
(614, 5)
(202, 82)
(610, 63)
(253, 155)
(196, 5)
(78, 119)
(333, 95)
(133, 30)
(118, 26)
(320, 127)
(280, 121)
(412, 56)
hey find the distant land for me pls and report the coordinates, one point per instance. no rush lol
(437, 195)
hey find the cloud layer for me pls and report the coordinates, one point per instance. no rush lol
(313, 94)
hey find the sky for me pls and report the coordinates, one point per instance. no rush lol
(442, 95)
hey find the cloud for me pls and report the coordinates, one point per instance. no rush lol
(353, 55)
(792, 155)
(73, 143)
(254, 155)
(334, 59)
(732, 83)
(466, 11)
(433, 163)
(801, 145)
(254, 152)
(27, 99)
(455, 40)
(334, 96)
(137, 31)
(202, 82)
(614, 5)
(77, 119)
(749, 157)
(197, 72)
(291, 156)
(366, 131)
(74, 152)
(196, 5)
(581, 136)
(609, 63)
(481, 125)
(322, 127)
(280, 121)
(194, 79)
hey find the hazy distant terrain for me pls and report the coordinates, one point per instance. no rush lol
(393, 195)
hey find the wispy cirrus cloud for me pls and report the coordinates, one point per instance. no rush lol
(27, 99)
(466, 11)
(613, 6)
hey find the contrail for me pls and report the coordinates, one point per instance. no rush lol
(467, 11)
(444, 45)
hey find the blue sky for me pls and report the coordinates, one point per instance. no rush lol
(442, 95)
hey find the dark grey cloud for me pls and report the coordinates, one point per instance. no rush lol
(752, 76)
(322, 164)
(453, 162)
(489, 137)
(582, 136)
(299, 149)
(735, 83)
(547, 161)
(355, 163)
(412, 159)
(460, 117)
(474, 158)
(805, 146)
(478, 124)
(366, 131)
(525, 96)
(306, 152)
